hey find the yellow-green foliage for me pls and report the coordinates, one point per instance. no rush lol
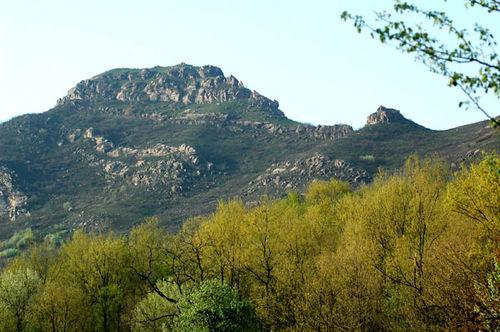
(475, 194)
(153, 313)
(17, 289)
(19, 240)
(415, 250)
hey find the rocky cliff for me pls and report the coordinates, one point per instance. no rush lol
(295, 175)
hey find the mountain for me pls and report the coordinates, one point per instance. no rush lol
(171, 141)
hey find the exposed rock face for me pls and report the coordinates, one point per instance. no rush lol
(12, 202)
(189, 117)
(296, 174)
(384, 115)
(164, 168)
(182, 84)
(303, 130)
(320, 132)
(101, 143)
(160, 167)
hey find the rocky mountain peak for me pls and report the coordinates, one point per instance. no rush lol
(384, 115)
(179, 85)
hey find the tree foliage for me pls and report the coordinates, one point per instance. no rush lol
(17, 289)
(214, 306)
(415, 250)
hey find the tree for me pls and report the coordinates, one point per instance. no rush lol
(147, 247)
(58, 306)
(406, 223)
(185, 253)
(17, 289)
(489, 308)
(223, 235)
(96, 267)
(475, 194)
(214, 306)
(469, 58)
(154, 312)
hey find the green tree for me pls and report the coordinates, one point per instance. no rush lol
(17, 289)
(474, 197)
(58, 306)
(214, 306)
(185, 253)
(469, 57)
(488, 307)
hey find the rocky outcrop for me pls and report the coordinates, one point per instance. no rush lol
(324, 132)
(296, 174)
(302, 130)
(181, 85)
(89, 134)
(161, 167)
(12, 201)
(189, 117)
(169, 169)
(385, 115)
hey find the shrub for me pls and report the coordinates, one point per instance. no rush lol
(367, 157)
(7, 253)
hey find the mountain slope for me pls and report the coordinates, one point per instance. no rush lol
(171, 141)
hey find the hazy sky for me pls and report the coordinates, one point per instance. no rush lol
(297, 52)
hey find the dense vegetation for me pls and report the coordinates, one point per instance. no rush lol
(417, 249)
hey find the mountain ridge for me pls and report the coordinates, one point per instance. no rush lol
(171, 141)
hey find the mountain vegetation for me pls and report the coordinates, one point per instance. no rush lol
(169, 142)
(176, 199)
(416, 249)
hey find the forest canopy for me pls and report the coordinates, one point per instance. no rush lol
(417, 249)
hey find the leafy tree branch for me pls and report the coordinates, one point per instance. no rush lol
(468, 57)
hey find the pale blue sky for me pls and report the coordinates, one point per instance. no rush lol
(298, 52)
